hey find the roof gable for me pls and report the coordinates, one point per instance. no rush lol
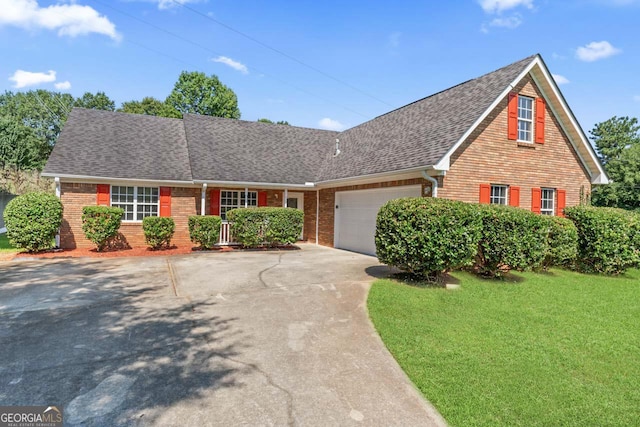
(419, 134)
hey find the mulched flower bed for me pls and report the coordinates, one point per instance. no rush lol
(138, 251)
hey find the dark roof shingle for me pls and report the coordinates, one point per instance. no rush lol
(118, 145)
(203, 148)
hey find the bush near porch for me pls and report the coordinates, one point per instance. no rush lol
(205, 230)
(253, 227)
(32, 221)
(100, 224)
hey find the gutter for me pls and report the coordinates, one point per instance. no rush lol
(434, 183)
(306, 185)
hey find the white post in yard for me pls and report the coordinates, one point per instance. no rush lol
(317, 213)
(58, 194)
(203, 199)
(286, 196)
(246, 197)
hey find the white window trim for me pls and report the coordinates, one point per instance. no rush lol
(533, 119)
(135, 201)
(551, 211)
(240, 204)
(506, 194)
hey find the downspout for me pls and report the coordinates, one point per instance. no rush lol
(58, 195)
(203, 199)
(317, 213)
(434, 183)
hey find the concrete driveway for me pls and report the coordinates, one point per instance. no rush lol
(240, 338)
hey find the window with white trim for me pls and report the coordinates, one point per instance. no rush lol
(525, 119)
(498, 194)
(547, 202)
(137, 202)
(236, 199)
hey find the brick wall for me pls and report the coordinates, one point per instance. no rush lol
(328, 200)
(487, 156)
(184, 203)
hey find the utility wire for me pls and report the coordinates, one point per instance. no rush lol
(211, 51)
(281, 53)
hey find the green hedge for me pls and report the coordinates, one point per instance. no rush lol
(205, 230)
(607, 239)
(512, 239)
(562, 243)
(32, 221)
(427, 236)
(254, 227)
(100, 224)
(158, 231)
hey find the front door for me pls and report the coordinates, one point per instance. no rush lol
(296, 201)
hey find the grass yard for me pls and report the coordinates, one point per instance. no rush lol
(5, 246)
(546, 349)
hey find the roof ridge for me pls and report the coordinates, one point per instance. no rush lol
(255, 122)
(530, 57)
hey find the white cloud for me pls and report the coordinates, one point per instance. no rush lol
(595, 51)
(510, 22)
(66, 85)
(68, 19)
(168, 4)
(330, 124)
(498, 6)
(23, 78)
(231, 63)
(561, 80)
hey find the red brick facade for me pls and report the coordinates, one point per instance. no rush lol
(489, 157)
(486, 157)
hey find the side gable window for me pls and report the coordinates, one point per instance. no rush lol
(547, 201)
(498, 194)
(525, 118)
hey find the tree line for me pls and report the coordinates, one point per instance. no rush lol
(30, 122)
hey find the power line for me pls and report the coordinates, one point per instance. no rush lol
(281, 53)
(211, 51)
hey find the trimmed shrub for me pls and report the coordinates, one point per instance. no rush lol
(606, 239)
(205, 230)
(254, 227)
(634, 223)
(427, 236)
(158, 231)
(32, 221)
(100, 224)
(512, 239)
(562, 243)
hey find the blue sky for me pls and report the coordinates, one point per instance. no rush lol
(375, 55)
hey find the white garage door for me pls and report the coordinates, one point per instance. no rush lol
(356, 211)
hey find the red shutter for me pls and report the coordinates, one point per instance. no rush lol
(512, 113)
(514, 196)
(103, 194)
(214, 204)
(540, 107)
(485, 193)
(165, 201)
(262, 198)
(562, 202)
(536, 200)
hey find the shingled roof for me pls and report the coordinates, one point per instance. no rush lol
(96, 143)
(202, 148)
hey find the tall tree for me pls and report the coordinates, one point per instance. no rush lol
(20, 148)
(279, 122)
(97, 101)
(150, 106)
(43, 111)
(618, 144)
(197, 93)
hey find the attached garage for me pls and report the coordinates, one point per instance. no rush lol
(355, 215)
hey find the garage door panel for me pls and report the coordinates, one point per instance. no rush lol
(356, 214)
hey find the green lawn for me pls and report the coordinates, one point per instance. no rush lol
(5, 246)
(557, 349)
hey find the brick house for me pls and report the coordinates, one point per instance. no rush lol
(506, 137)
